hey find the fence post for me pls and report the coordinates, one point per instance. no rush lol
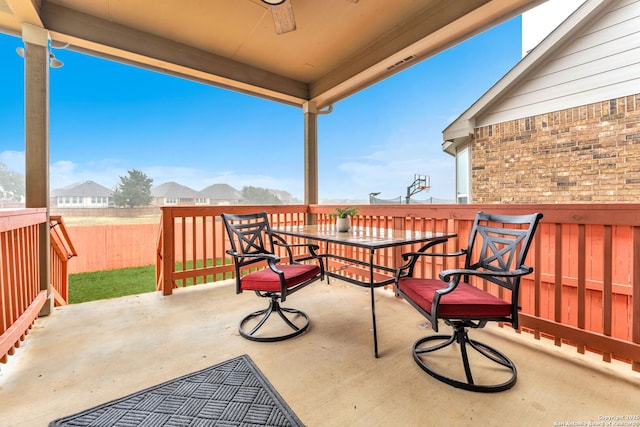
(168, 250)
(635, 310)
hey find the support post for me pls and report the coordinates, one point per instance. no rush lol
(310, 157)
(36, 121)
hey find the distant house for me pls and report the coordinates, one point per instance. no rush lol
(221, 194)
(83, 195)
(174, 194)
(564, 124)
(285, 197)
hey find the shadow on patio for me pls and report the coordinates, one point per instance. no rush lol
(86, 354)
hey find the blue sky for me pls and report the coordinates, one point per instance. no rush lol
(108, 118)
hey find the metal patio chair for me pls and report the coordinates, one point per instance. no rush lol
(253, 242)
(498, 246)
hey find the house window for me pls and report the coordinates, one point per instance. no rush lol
(462, 175)
(98, 200)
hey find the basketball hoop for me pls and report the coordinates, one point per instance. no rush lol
(420, 183)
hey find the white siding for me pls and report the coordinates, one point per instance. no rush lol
(601, 63)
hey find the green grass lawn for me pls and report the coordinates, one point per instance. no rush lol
(111, 283)
(106, 284)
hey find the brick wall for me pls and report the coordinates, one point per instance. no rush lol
(584, 154)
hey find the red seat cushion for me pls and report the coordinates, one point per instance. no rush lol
(465, 301)
(267, 280)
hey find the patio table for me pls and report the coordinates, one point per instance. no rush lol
(369, 239)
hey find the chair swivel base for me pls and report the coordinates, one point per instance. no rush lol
(274, 307)
(461, 337)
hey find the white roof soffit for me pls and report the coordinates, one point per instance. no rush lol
(464, 125)
(140, 41)
(451, 146)
(427, 44)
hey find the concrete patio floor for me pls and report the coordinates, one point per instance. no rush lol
(85, 354)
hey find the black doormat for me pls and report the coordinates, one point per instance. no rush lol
(231, 393)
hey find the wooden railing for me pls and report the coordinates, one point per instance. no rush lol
(62, 251)
(585, 290)
(20, 295)
(21, 298)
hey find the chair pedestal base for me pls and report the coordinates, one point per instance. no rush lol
(461, 338)
(274, 307)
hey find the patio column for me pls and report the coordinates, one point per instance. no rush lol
(36, 122)
(310, 156)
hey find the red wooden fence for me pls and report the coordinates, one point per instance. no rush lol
(107, 247)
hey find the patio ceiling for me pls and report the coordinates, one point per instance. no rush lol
(339, 47)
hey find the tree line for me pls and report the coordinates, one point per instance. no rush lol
(133, 190)
(11, 184)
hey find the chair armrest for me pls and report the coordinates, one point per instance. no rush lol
(294, 245)
(272, 261)
(407, 255)
(312, 247)
(438, 241)
(447, 275)
(272, 257)
(412, 257)
(280, 241)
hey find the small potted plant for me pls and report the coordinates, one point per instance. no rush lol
(343, 217)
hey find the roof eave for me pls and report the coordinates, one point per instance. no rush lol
(465, 123)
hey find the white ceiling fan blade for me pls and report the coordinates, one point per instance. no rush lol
(283, 17)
